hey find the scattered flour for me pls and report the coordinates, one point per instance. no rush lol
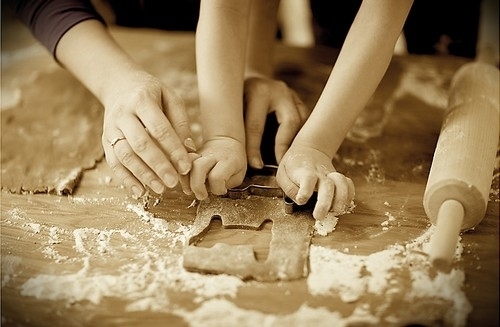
(217, 312)
(144, 282)
(386, 272)
(155, 276)
(325, 226)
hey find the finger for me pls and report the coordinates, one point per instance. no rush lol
(130, 161)
(326, 192)
(198, 176)
(290, 123)
(184, 180)
(286, 184)
(303, 110)
(150, 154)
(255, 120)
(223, 176)
(126, 178)
(166, 140)
(175, 110)
(306, 181)
(341, 199)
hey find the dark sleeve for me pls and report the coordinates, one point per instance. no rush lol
(48, 20)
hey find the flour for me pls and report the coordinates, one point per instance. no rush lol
(375, 172)
(35, 228)
(152, 280)
(325, 226)
(217, 312)
(145, 282)
(353, 277)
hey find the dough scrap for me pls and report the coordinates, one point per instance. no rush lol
(51, 136)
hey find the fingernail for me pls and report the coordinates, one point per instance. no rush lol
(301, 200)
(170, 180)
(184, 166)
(189, 144)
(137, 192)
(157, 186)
(256, 163)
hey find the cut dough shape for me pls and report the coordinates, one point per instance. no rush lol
(288, 249)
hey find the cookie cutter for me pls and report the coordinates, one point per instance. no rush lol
(262, 182)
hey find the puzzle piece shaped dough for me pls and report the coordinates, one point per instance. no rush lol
(288, 249)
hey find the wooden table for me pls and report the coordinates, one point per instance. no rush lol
(97, 258)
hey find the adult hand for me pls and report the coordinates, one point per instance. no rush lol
(263, 96)
(221, 165)
(146, 134)
(304, 170)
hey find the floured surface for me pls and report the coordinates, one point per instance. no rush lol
(52, 126)
(98, 259)
(134, 265)
(51, 136)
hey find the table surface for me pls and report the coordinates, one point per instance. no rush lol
(98, 258)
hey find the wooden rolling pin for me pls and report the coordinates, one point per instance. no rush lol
(458, 186)
(459, 181)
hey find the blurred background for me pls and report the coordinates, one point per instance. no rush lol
(433, 27)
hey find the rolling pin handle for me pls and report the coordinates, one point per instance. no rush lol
(444, 240)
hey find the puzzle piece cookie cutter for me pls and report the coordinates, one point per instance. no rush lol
(249, 206)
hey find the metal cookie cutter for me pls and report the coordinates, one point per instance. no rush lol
(262, 182)
(248, 206)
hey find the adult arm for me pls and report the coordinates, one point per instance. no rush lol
(264, 94)
(145, 115)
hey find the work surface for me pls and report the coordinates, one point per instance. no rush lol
(94, 256)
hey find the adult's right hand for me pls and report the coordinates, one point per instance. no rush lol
(146, 135)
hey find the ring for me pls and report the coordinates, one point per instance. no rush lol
(116, 140)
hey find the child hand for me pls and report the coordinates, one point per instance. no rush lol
(304, 170)
(221, 165)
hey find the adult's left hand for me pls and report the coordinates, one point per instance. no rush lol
(263, 96)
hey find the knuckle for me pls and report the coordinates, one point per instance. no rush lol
(125, 157)
(259, 89)
(161, 131)
(294, 121)
(178, 154)
(139, 144)
(182, 125)
(175, 100)
(281, 85)
(254, 127)
(114, 165)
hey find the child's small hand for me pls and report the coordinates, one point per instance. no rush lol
(221, 165)
(304, 170)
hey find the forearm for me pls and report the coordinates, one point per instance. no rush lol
(261, 38)
(90, 53)
(49, 20)
(361, 64)
(220, 55)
